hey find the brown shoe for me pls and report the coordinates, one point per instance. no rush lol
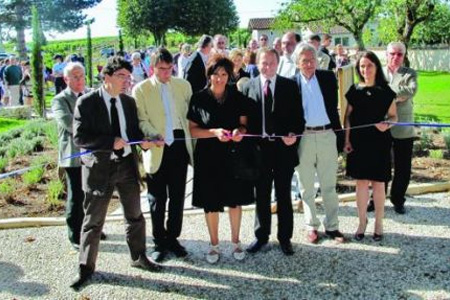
(313, 236)
(336, 235)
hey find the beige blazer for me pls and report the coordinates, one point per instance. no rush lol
(151, 114)
(404, 84)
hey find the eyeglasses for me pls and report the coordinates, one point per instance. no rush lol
(396, 54)
(124, 77)
(263, 39)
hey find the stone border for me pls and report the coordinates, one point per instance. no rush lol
(415, 189)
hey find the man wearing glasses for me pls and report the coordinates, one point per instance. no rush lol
(105, 120)
(403, 81)
(220, 45)
(263, 41)
(162, 103)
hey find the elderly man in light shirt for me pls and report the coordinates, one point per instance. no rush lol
(318, 150)
(287, 66)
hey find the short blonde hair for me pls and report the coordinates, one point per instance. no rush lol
(235, 53)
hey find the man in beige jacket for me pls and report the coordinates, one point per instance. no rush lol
(162, 103)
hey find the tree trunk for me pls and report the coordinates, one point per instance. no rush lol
(406, 38)
(20, 30)
(359, 41)
(2, 48)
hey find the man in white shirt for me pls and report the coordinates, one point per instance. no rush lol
(287, 66)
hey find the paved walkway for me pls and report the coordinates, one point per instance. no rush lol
(412, 262)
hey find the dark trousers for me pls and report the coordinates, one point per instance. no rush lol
(402, 149)
(123, 176)
(74, 204)
(168, 182)
(281, 176)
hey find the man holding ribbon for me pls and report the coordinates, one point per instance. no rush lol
(162, 103)
(278, 117)
(105, 122)
(318, 150)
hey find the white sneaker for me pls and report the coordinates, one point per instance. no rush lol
(213, 255)
(238, 252)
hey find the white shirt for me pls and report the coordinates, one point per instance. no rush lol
(313, 102)
(287, 67)
(176, 122)
(272, 89)
(122, 121)
(182, 63)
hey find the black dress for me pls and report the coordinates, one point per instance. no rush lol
(214, 182)
(370, 158)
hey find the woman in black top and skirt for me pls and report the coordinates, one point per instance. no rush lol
(217, 117)
(368, 148)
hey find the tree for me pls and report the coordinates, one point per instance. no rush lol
(353, 15)
(221, 17)
(240, 37)
(121, 47)
(17, 14)
(435, 30)
(37, 66)
(89, 53)
(140, 16)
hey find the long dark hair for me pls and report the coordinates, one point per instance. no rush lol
(380, 79)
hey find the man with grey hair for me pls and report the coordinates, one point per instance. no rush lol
(220, 45)
(318, 149)
(63, 106)
(323, 60)
(403, 81)
(12, 77)
(287, 67)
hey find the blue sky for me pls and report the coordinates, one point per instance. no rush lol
(105, 15)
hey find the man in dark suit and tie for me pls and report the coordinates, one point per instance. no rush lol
(318, 149)
(277, 111)
(104, 121)
(195, 71)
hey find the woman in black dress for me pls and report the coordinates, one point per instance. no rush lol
(368, 148)
(217, 116)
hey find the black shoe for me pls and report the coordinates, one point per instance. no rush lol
(103, 236)
(176, 248)
(286, 247)
(370, 206)
(336, 235)
(256, 246)
(377, 237)
(400, 209)
(159, 254)
(144, 263)
(84, 275)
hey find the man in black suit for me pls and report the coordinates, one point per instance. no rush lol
(318, 150)
(104, 120)
(195, 71)
(277, 111)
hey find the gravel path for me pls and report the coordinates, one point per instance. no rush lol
(413, 262)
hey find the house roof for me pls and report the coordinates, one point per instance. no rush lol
(260, 23)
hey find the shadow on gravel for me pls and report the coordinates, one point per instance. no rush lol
(416, 213)
(11, 282)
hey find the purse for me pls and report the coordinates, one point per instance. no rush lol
(246, 160)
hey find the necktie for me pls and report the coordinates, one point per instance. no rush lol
(115, 124)
(268, 104)
(80, 94)
(169, 138)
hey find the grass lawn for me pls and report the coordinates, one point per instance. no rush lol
(432, 100)
(7, 124)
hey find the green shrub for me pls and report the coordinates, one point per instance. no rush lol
(19, 147)
(425, 142)
(3, 163)
(51, 132)
(54, 193)
(437, 154)
(7, 190)
(19, 112)
(38, 143)
(33, 176)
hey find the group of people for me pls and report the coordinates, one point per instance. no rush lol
(15, 82)
(250, 134)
